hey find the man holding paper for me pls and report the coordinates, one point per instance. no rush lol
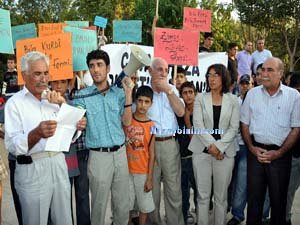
(41, 177)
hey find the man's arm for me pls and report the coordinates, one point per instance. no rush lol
(176, 104)
(127, 115)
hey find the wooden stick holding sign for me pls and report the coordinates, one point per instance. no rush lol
(156, 11)
(175, 75)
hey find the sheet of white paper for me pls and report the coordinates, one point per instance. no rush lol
(67, 118)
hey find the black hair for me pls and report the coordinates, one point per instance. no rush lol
(259, 66)
(180, 69)
(187, 84)
(295, 80)
(223, 72)
(208, 34)
(97, 54)
(232, 45)
(11, 57)
(145, 91)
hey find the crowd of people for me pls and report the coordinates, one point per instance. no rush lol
(251, 157)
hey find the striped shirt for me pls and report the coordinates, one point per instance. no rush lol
(271, 118)
(104, 113)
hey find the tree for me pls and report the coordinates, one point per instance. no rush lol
(277, 19)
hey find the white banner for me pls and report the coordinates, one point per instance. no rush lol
(120, 53)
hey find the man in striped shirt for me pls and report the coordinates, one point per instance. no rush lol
(270, 122)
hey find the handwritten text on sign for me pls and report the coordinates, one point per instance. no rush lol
(47, 29)
(83, 42)
(59, 50)
(6, 45)
(127, 31)
(197, 19)
(21, 32)
(177, 47)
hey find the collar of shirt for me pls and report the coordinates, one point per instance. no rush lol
(279, 90)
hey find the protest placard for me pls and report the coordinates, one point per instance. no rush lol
(57, 47)
(24, 31)
(197, 19)
(47, 29)
(127, 31)
(178, 47)
(6, 44)
(77, 23)
(83, 42)
(100, 21)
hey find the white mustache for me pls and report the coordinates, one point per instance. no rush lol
(265, 78)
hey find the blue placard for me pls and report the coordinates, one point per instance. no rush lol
(83, 42)
(21, 32)
(127, 31)
(77, 23)
(100, 21)
(6, 45)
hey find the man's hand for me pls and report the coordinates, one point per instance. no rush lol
(81, 124)
(161, 85)
(148, 185)
(213, 150)
(269, 156)
(55, 97)
(47, 128)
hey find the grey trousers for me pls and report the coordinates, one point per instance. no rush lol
(42, 185)
(293, 186)
(108, 171)
(207, 168)
(167, 167)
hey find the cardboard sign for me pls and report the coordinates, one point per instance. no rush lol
(178, 47)
(21, 32)
(127, 31)
(77, 23)
(83, 42)
(197, 19)
(59, 50)
(47, 29)
(6, 44)
(90, 28)
(100, 21)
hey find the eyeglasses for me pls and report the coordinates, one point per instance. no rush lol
(213, 75)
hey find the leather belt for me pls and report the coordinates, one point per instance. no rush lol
(163, 138)
(264, 146)
(105, 149)
(28, 159)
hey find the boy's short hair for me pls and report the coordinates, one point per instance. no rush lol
(11, 57)
(180, 69)
(145, 91)
(187, 84)
(208, 34)
(98, 54)
(232, 45)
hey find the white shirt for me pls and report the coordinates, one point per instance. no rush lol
(162, 114)
(260, 57)
(23, 113)
(239, 135)
(271, 118)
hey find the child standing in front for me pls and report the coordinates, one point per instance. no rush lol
(140, 154)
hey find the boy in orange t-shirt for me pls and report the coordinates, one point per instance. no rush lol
(140, 154)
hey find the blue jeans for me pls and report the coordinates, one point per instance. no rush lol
(187, 182)
(239, 181)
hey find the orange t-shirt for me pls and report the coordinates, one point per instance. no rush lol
(138, 138)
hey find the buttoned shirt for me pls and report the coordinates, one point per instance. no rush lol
(23, 113)
(259, 57)
(104, 116)
(271, 118)
(162, 114)
(244, 60)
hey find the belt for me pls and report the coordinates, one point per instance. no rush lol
(27, 159)
(105, 149)
(163, 138)
(264, 146)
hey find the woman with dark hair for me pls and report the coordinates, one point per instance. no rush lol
(216, 123)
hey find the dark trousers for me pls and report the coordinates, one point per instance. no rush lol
(12, 168)
(275, 176)
(81, 185)
(187, 182)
